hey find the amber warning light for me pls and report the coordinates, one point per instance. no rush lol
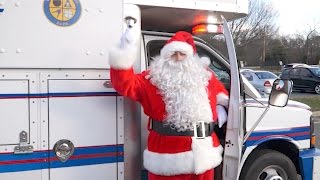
(207, 28)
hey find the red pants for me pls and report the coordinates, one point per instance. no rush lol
(208, 175)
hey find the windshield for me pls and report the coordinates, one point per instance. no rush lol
(315, 71)
(265, 75)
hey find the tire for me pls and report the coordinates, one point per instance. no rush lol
(268, 165)
(317, 89)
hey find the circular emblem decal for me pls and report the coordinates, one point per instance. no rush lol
(62, 12)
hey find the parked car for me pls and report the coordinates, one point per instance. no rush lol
(261, 80)
(305, 78)
(293, 65)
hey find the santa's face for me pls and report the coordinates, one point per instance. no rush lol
(178, 56)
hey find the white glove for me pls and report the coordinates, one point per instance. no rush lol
(128, 38)
(124, 54)
(222, 115)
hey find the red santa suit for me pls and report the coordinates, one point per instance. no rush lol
(170, 157)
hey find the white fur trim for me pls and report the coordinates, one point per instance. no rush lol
(205, 155)
(205, 61)
(201, 158)
(168, 164)
(173, 46)
(122, 58)
(223, 99)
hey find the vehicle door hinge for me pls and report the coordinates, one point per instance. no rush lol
(23, 147)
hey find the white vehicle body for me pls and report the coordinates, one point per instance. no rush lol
(60, 122)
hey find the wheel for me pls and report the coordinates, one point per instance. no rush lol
(317, 89)
(268, 165)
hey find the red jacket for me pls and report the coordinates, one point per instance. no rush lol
(171, 155)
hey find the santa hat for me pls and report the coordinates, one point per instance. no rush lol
(182, 41)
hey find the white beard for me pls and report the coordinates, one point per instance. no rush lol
(183, 86)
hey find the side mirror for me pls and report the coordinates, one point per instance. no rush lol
(280, 92)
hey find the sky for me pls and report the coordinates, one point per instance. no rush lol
(297, 16)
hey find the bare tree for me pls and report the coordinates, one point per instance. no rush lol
(259, 22)
(255, 30)
(294, 46)
(311, 36)
(252, 33)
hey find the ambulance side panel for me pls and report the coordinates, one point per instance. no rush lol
(17, 122)
(83, 112)
(72, 108)
(18, 110)
(38, 34)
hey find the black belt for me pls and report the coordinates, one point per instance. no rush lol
(203, 129)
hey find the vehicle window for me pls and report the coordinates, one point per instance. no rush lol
(315, 71)
(265, 75)
(285, 72)
(295, 72)
(305, 73)
(153, 49)
(248, 76)
(221, 72)
(291, 72)
(215, 65)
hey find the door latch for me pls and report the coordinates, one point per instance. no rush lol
(23, 147)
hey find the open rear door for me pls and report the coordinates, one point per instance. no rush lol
(234, 134)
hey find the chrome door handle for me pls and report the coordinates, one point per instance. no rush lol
(63, 149)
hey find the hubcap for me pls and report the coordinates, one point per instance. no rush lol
(317, 89)
(273, 173)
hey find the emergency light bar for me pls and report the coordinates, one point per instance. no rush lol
(207, 28)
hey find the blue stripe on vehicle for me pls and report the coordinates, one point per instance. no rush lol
(92, 160)
(1, 10)
(10, 162)
(13, 157)
(82, 162)
(23, 162)
(46, 95)
(81, 94)
(298, 133)
(98, 149)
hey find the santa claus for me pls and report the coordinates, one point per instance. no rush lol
(183, 99)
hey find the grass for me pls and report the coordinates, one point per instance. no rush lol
(312, 101)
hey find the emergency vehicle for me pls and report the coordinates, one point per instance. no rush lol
(61, 119)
